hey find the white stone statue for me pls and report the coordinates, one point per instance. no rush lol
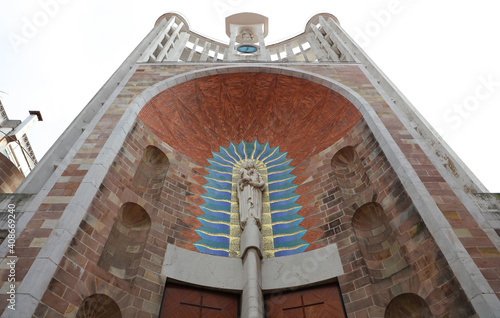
(250, 188)
(246, 35)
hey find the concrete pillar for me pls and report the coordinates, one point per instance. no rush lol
(264, 53)
(179, 47)
(316, 47)
(230, 54)
(289, 53)
(252, 299)
(148, 55)
(163, 53)
(327, 26)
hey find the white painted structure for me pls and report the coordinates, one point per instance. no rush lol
(13, 140)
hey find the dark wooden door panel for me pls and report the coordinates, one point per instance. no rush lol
(187, 302)
(316, 302)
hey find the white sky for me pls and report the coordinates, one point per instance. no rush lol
(56, 54)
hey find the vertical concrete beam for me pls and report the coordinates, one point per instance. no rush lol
(264, 54)
(204, 53)
(193, 51)
(179, 47)
(230, 52)
(168, 45)
(278, 54)
(316, 47)
(216, 54)
(333, 56)
(149, 52)
(252, 302)
(289, 53)
(252, 299)
(303, 52)
(335, 39)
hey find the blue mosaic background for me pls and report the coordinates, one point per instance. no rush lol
(215, 232)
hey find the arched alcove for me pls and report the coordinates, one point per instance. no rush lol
(279, 109)
(408, 306)
(151, 172)
(98, 306)
(349, 172)
(377, 241)
(123, 250)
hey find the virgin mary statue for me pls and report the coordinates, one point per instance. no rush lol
(250, 188)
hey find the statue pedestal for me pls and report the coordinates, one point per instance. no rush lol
(252, 300)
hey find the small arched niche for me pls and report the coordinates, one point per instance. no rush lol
(377, 241)
(349, 172)
(151, 172)
(123, 250)
(99, 306)
(408, 306)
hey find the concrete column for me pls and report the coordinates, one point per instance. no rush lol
(163, 53)
(230, 54)
(149, 52)
(316, 47)
(335, 38)
(252, 299)
(289, 53)
(179, 47)
(331, 54)
(264, 53)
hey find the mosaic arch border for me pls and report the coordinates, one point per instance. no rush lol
(473, 282)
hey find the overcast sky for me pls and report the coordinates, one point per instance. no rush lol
(443, 55)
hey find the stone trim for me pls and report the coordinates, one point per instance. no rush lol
(299, 270)
(278, 273)
(200, 269)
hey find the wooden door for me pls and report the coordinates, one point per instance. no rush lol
(187, 302)
(323, 301)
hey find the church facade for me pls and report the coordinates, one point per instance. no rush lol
(208, 179)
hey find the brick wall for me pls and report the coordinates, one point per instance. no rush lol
(424, 272)
(328, 209)
(328, 218)
(479, 246)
